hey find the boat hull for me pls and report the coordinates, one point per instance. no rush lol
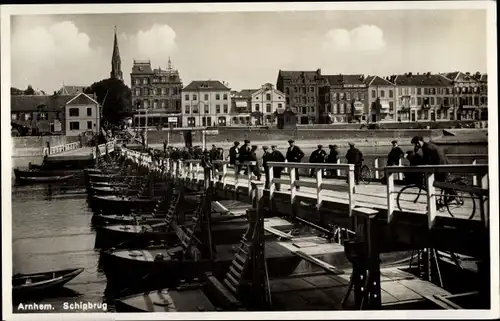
(41, 282)
(112, 204)
(114, 219)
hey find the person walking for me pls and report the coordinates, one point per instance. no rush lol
(266, 157)
(244, 156)
(332, 159)
(294, 155)
(355, 157)
(233, 153)
(318, 156)
(394, 157)
(255, 169)
(277, 156)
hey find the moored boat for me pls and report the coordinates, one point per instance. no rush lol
(122, 204)
(25, 285)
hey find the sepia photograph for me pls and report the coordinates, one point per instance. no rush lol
(334, 160)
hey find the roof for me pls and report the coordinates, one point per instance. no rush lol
(377, 81)
(310, 75)
(451, 75)
(244, 93)
(29, 103)
(422, 80)
(265, 89)
(142, 68)
(71, 90)
(82, 99)
(211, 85)
(345, 79)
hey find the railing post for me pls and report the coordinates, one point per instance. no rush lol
(338, 169)
(351, 185)
(224, 174)
(376, 168)
(249, 176)
(190, 175)
(293, 188)
(181, 168)
(431, 198)
(319, 182)
(391, 198)
(236, 176)
(484, 214)
(400, 175)
(271, 186)
(474, 176)
(197, 172)
(286, 168)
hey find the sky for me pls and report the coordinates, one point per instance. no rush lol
(246, 49)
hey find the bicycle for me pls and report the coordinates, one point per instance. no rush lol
(448, 199)
(365, 174)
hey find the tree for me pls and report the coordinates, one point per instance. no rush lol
(29, 90)
(115, 98)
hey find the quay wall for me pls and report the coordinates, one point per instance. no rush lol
(33, 145)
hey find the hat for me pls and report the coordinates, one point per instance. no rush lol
(291, 141)
(351, 144)
(254, 146)
(247, 141)
(273, 146)
(417, 139)
(265, 147)
(236, 143)
(394, 142)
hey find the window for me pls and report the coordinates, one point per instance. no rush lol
(137, 81)
(217, 97)
(419, 101)
(195, 97)
(391, 106)
(195, 109)
(280, 105)
(209, 120)
(89, 111)
(374, 94)
(400, 90)
(413, 90)
(203, 121)
(382, 93)
(361, 96)
(224, 97)
(226, 110)
(186, 97)
(304, 90)
(257, 107)
(206, 97)
(164, 91)
(74, 112)
(146, 91)
(391, 93)
(334, 109)
(74, 125)
(188, 111)
(137, 91)
(439, 101)
(341, 96)
(89, 125)
(419, 91)
(27, 116)
(268, 108)
(145, 81)
(348, 96)
(13, 116)
(155, 104)
(342, 110)
(296, 89)
(42, 116)
(268, 96)
(311, 89)
(312, 109)
(432, 101)
(413, 101)
(146, 104)
(304, 110)
(206, 109)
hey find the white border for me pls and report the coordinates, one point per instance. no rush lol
(7, 11)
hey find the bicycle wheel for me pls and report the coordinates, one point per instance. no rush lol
(409, 197)
(458, 203)
(365, 175)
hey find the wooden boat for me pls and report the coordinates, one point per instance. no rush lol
(64, 162)
(140, 236)
(114, 219)
(112, 190)
(24, 285)
(163, 267)
(93, 178)
(28, 173)
(43, 179)
(118, 204)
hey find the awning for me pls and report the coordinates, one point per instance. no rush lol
(241, 104)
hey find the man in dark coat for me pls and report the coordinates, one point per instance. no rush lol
(277, 156)
(415, 159)
(266, 157)
(332, 159)
(233, 153)
(431, 155)
(255, 169)
(213, 152)
(354, 156)
(294, 155)
(244, 155)
(318, 156)
(395, 154)
(220, 157)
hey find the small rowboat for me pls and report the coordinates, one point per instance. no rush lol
(44, 179)
(30, 284)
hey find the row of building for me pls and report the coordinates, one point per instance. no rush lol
(310, 97)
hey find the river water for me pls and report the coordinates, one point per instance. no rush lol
(51, 230)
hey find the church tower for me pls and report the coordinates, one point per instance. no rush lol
(116, 63)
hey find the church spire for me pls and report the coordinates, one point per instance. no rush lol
(116, 62)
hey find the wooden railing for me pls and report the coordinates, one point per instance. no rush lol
(60, 148)
(429, 171)
(105, 148)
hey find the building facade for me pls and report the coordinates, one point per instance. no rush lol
(470, 95)
(265, 103)
(156, 95)
(343, 98)
(206, 103)
(241, 106)
(424, 97)
(40, 114)
(82, 115)
(301, 89)
(381, 99)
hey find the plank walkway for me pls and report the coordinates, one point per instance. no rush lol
(373, 195)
